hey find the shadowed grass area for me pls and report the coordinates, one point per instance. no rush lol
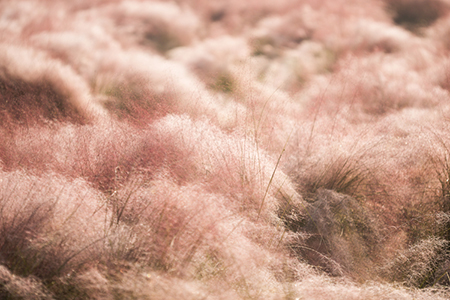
(416, 13)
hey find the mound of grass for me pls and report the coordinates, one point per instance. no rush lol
(423, 264)
(342, 237)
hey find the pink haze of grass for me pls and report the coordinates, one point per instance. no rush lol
(196, 149)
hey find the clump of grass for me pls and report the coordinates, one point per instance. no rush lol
(35, 87)
(226, 164)
(342, 237)
(159, 25)
(342, 175)
(419, 220)
(49, 227)
(439, 158)
(132, 100)
(421, 264)
(104, 154)
(16, 287)
(317, 287)
(361, 95)
(219, 63)
(343, 165)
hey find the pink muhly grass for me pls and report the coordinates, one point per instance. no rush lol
(36, 86)
(49, 226)
(363, 95)
(228, 164)
(13, 286)
(103, 154)
(224, 149)
(162, 25)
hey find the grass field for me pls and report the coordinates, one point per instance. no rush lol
(212, 149)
